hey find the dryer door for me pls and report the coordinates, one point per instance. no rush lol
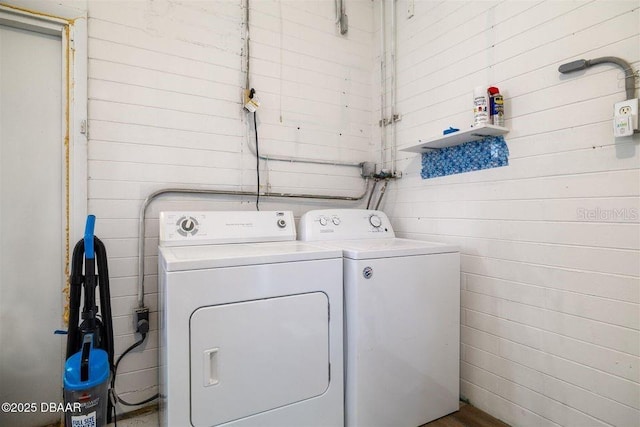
(254, 356)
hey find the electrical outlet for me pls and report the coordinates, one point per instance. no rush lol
(625, 117)
(142, 320)
(251, 102)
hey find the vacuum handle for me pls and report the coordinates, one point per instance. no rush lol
(90, 309)
(89, 252)
(87, 344)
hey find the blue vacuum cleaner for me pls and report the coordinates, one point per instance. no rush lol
(89, 356)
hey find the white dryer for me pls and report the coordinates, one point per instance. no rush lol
(402, 319)
(251, 330)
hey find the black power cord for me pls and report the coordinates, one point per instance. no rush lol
(255, 129)
(114, 396)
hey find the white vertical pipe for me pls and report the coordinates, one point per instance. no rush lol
(383, 78)
(247, 43)
(393, 85)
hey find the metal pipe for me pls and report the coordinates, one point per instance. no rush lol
(382, 190)
(373, 189)
(383, 84)
(307, 160)
(247, 47)
(344, 19)
(629, 75)
(393, 86)
(300, 159)
(581, 64)
(150, 198)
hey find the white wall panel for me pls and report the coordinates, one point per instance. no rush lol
(154, 60)
(163, 118)
(125, 152)
(135, 76)
(607, 285)
(127, 94)
(550, 244)
(605, 332)
(105, 130)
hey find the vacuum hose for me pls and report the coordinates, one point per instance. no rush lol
(103, 328)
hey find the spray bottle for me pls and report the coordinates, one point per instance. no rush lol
(496, 106)
(480, 106)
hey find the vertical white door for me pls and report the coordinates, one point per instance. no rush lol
(31, 221)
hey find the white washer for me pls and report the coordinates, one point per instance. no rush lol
(251, 334)
(402, 319)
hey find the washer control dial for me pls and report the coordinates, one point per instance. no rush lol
(323, 220)
(375, 221)
(281, 223)
(335, 220)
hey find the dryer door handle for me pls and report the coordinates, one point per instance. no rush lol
(210, 371)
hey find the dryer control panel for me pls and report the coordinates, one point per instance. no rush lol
(184, 228)
(344, 224)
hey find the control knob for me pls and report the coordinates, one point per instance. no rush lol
(187, 226)
(375, 221)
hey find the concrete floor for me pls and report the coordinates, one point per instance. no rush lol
(146, 418)
(467, 416)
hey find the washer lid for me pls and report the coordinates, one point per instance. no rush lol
(388, 248)
(182, 258)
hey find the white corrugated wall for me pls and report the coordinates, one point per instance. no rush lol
(550, 244)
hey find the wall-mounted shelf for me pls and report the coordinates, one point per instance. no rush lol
(456, 138)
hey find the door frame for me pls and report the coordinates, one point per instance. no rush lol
(71, 25)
